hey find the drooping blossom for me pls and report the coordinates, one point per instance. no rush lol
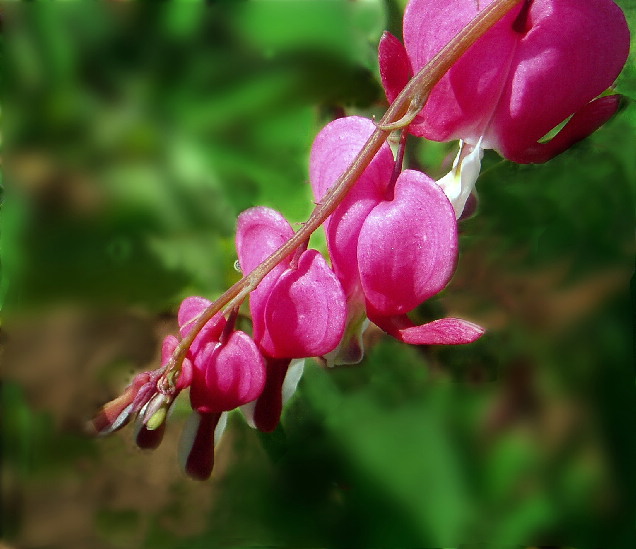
(393, 245)
(228, 371)
(545, 61)
(298, 310)
(223, 369)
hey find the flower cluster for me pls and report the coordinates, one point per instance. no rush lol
(392, 240)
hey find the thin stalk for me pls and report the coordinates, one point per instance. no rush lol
(399, 115)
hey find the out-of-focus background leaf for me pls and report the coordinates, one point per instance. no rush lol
(133, 136)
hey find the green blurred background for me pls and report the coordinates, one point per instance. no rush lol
(134, 135)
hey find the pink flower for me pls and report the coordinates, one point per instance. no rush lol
(298, 310)
(227, 371)
(223, 368)
(543, 62)
(392, 246)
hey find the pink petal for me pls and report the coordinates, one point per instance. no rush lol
(227, 375)
(260, 232)
(408, 246)
(586, 121)
(461, 104)
(395, 67)
(333, 150)
(445, 331)
(190, 309)
(573, 51)
(168, 346)
(306, 311)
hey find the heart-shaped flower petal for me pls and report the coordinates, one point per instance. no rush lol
(407, 246)
(227, 375)
(570, 52)
(296, 312)
(260, 232)
(190, 309)
(542, 62)
(333, 150)
(463, 101)
(306, 310)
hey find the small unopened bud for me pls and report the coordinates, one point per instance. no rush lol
(156, 411)
(149, 439)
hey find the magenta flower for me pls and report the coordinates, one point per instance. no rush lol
(543, 62)
(298, 310)
(223, 369)
(392, 246)
(227, 371)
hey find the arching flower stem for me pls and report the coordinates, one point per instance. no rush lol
(399, 115)
(399, 160)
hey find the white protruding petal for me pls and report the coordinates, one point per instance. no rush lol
(220, 428)
(248, 413)
(460, 181)
(292, 377)
(186, 440)
(350, 350)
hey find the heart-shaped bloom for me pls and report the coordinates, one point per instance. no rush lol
(227, 371)
(392, 246)
(544, 61)
(298, 310)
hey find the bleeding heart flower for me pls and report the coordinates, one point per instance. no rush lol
(393, 245)
(228, 371)
(298, 310)
(545, 61)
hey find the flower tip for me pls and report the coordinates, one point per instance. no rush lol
(149, 439)
(582, 124)
(395, 66)
(196, 448)
(112, 417)
(445, 331)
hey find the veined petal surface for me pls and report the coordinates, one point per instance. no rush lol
(572, 52)
(407, 248)
(306, 310)
(227, 375)
(333, 150)
(190, 309)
